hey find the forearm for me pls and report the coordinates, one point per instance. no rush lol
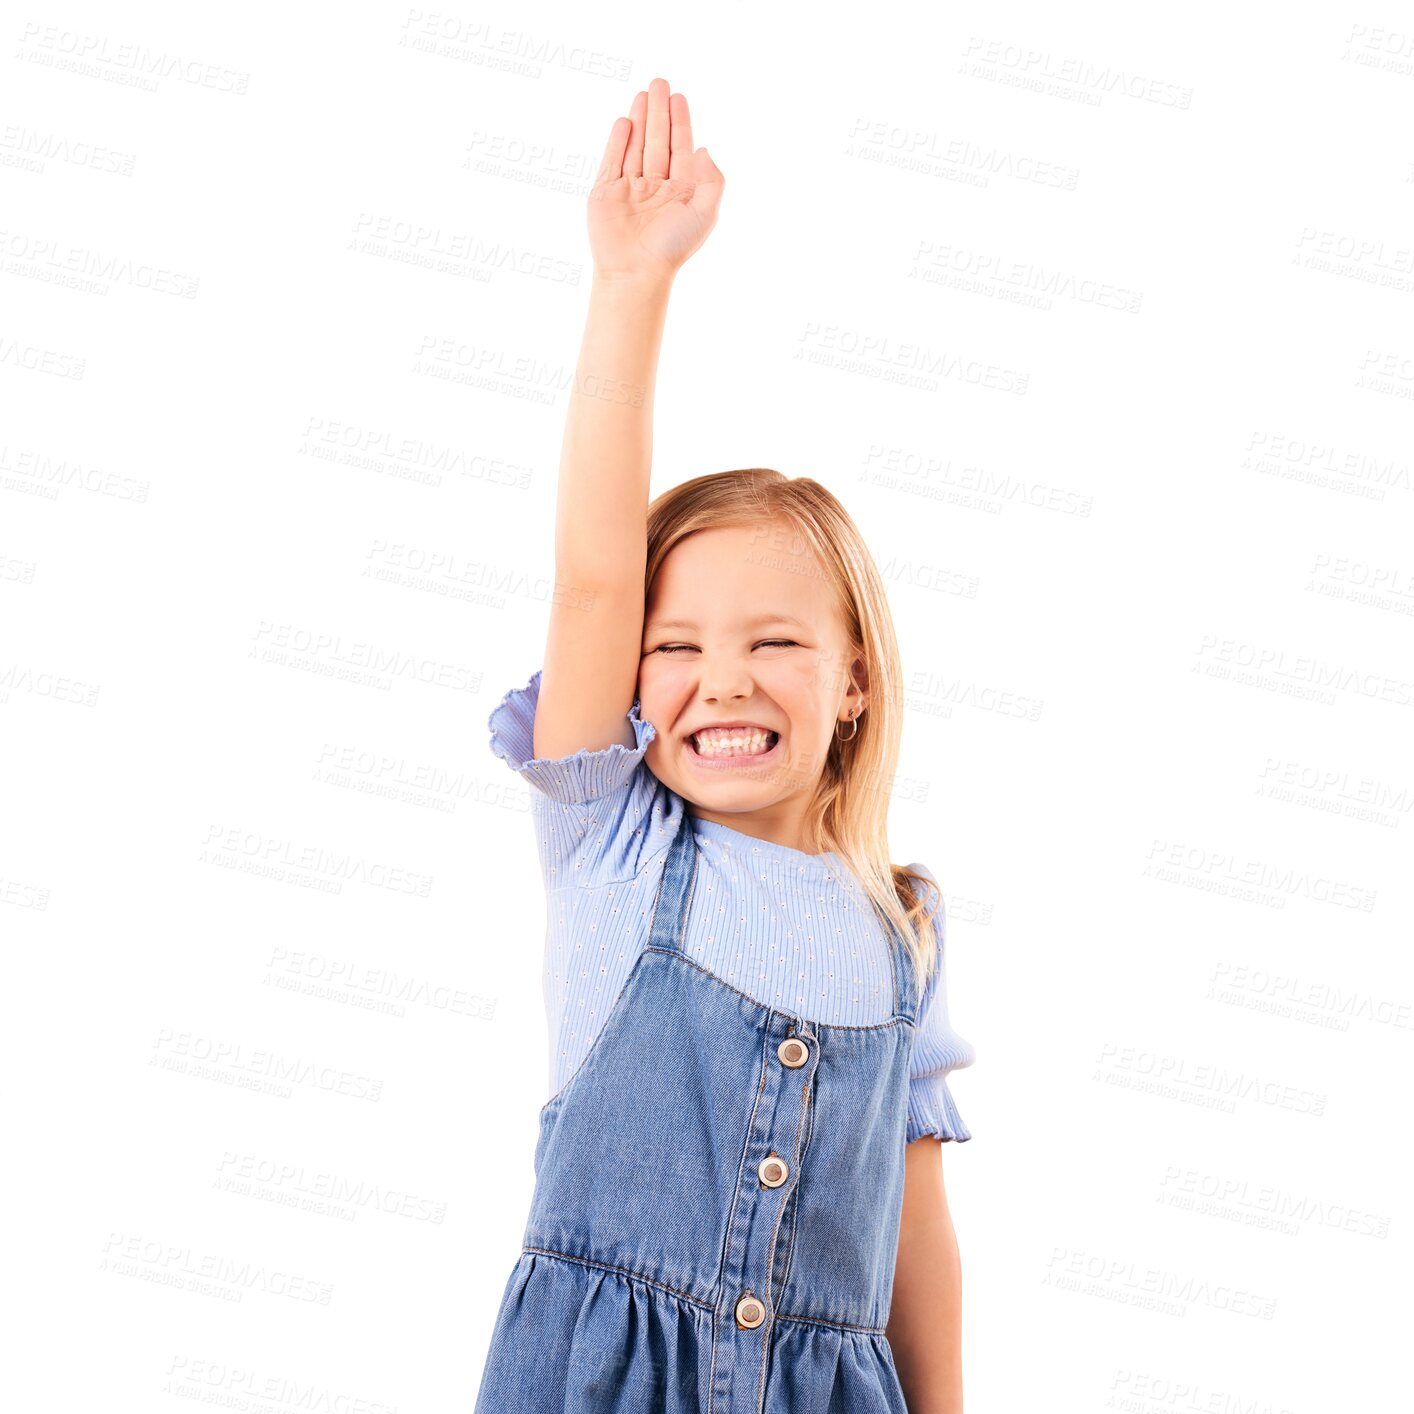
(607, 454)
(925, 1318)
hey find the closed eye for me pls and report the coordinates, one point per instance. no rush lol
(765, 642)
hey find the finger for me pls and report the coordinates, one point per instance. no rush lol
(681, 124)
(655, 152)
(612, 165)
(638, 117)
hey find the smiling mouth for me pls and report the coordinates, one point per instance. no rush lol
(739, 743)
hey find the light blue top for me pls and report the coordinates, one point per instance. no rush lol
(789, 929)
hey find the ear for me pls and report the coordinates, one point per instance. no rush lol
(858, 695)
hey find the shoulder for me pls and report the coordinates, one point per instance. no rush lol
(600, 815)
(580, 776)
(927, 890)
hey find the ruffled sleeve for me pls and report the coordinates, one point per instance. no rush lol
(592, 809)
(938, 1050)
(583, 776)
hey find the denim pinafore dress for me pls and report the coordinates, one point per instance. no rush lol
(718, 1191)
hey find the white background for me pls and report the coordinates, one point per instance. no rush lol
(1098, 321)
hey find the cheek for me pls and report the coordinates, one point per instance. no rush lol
(661, 692)
(802, 690)
(650, 675)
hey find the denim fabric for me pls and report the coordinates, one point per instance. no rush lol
(651, 1217)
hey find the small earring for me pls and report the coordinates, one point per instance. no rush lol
(852, 734)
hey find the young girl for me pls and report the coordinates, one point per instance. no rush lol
(739, 1200)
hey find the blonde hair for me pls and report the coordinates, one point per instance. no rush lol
(849, 812)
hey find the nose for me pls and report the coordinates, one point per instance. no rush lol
(724, 680)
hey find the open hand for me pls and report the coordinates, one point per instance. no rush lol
(654, 199)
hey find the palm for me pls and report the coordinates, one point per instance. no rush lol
(655, 199)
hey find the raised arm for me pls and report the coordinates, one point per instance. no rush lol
(654, 202)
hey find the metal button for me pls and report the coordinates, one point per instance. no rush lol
(749, 1312)
(793, 1052)
(772, 1170)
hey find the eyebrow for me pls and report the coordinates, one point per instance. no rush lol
(771, 618)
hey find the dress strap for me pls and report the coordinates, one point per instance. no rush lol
(906, 998)
(675, 889)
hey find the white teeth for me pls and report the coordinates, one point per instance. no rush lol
(733, 741)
